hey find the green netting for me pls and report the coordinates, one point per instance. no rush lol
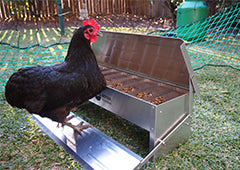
(39, 47)
(211, 41)
(13, 58)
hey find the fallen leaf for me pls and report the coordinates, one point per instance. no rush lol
(225, 92)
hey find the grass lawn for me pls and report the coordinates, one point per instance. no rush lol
(214, 143)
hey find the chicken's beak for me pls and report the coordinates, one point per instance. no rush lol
(99, 33)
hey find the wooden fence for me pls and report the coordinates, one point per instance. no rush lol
(27, 9)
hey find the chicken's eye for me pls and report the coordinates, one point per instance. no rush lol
(90, 30)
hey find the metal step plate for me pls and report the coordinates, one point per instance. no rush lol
(94, 150)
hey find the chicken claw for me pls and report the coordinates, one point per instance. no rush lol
(70, 117)
(78, 128)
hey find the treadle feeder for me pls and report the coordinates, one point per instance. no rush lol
(150, 82)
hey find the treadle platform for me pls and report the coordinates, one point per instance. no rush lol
(94, 150)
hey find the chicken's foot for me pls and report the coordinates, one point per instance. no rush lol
(78, 128)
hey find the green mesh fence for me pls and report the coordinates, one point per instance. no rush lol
(212, 41)
(41, 47)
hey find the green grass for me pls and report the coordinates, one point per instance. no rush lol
(214, 143)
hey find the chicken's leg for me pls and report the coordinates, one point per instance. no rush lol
(78, 128)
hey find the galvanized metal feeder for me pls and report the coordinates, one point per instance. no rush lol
(150, 83)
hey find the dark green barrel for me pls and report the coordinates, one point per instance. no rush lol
(188, 12)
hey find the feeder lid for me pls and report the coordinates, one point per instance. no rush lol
(164, 59)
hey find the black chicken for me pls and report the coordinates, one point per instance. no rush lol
(53, 91)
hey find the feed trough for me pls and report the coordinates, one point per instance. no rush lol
(150, 82)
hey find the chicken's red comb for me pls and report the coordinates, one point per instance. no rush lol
(91, 22)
